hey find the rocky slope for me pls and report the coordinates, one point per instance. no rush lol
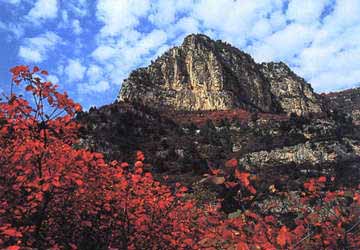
(347, 101)
(203, 74)
(205, 102)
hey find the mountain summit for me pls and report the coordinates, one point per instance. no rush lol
(203, 74)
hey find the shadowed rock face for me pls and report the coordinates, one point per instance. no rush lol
(290, 91)
(347, 101)
(203, 74)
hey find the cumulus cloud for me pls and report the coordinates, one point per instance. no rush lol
(94, 73)
(104, 52)
(42, 10)
(53, 78)
(119, 56)
(14, 30)
(36, 49)
(305, 11)
(163, 12)
(120, 15)
(79, 8)
(76, 27)
(74, 70)
(98, 87)
(284, 44)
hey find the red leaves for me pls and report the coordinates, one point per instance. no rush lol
(284, 237)
(322, 179)
(13, 247)
(35, 69)
(310, 185)
(242, 246)
(12, 232)
(314, 184)
(98, 155)
(357, 198)
(140, 156)
(138, 164)
(29, 88)
(232, 163)
(243, 177)
(79, 182)
(18, 70)
(215, 171)
(124, 165)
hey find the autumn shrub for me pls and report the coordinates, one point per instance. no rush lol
(55, 196)
(327, 216)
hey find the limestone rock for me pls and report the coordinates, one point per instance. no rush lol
(314, 153)
(290, 90)
(203, 74)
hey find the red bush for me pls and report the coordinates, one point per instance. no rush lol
(55, 196)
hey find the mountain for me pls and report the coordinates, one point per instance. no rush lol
(203, 74)
(205, 102)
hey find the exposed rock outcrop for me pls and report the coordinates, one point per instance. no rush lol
(310, 153)
(203, 74)
(292, 92)
(347, 101)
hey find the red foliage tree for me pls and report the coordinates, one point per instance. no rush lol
(53, 195)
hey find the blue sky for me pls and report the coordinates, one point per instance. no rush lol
(89, 47)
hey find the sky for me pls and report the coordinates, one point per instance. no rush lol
(89, 47)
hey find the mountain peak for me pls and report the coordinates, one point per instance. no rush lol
(203, 74)
(196, 38)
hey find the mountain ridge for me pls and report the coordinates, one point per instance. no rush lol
(203, 74)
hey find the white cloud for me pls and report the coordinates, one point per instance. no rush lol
(36, 49)
(76, 27)
(74, 70)
(79, 8)
(346, 13)
(64, 16)
(15, 30)
(119, 15)
(119, 56)
(94, 73)
(261, 29)
(100, 86)
(42, 10)
(53, 78)
(30, 55)
(284, 44)
(305, 11)
(103, 53)
(164, 13)
(233, 20)
(185, 25)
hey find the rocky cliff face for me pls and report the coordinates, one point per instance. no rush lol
(292, 92)
(203, 74)
(347, 101)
